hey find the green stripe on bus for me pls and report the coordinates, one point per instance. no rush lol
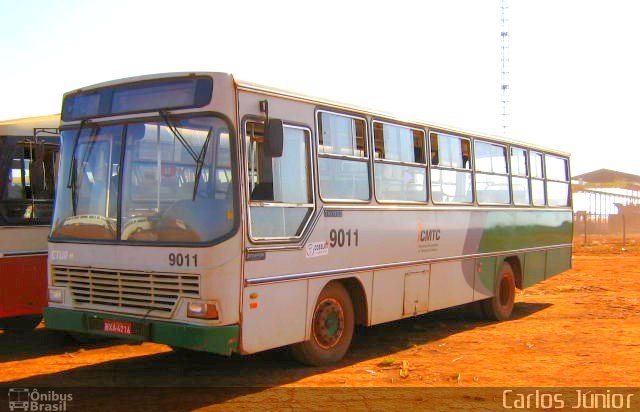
(509, 230)
(217, 339)
(534, 267)
(558, 260)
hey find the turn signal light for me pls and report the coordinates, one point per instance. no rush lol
(202, 310)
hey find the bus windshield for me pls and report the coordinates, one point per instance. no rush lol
(166, 181)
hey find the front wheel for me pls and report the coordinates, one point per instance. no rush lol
(500, 306)
(331, 328)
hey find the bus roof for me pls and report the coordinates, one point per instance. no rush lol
(249, 86)
(24, 126)
(254, 87)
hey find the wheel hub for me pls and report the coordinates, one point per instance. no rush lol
(328, 323)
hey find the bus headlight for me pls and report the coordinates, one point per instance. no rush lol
(202, 310)
(56, 295)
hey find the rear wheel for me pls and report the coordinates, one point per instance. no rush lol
(331, 328)
(500, 306)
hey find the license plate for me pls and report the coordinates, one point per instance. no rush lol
(118, 327)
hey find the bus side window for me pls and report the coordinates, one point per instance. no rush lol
(451, 171)
(42, 174)
(492, 180)
(557, 181)
(519, 176)
(15, 182)
(17, 202)
(260, 165)
(27, 195)
(343, 157)
(400, 167)
(280, 195)
(537, 179)
(435, 161)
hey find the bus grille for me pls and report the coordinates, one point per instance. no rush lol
(142, 293)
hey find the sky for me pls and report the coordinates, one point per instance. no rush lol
(574, 64)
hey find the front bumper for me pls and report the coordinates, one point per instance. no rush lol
(216, 339)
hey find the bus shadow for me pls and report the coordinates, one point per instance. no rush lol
(17, 346)
(180, 380)
(388, 338)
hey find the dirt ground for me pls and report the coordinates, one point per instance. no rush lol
(580, 328)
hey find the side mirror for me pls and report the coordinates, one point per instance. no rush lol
(274, 135)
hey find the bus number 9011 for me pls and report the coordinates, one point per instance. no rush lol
(342, 238)
(180, 259)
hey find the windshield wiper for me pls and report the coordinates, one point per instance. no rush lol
(200, 163)
(178, 135)
(71, 182)
(197, 158)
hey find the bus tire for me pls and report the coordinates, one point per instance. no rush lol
(21, 323)
(332, 328)
(500, 306)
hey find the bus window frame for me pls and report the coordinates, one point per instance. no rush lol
(30, 142)
(568, 181)
(470, 170)
(425, 165)
(234, 153)
(507, 174)
(258, 240)
(543, 179)
(526, 176)
(366, 160)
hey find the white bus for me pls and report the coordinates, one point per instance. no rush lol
(206, 213)
(28, 158)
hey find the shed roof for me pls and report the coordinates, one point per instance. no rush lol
(606, 178)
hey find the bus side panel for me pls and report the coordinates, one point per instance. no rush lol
(23, 238)
(558, 260)
(451, 284)
(23, 285)
(387, 295)
(534, 268)
(399, 293)
(509, 230)
(416, 291)
(484, 285)
(273, 315)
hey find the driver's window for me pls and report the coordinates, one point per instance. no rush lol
(280, 194)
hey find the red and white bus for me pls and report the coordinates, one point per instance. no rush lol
(28, 166)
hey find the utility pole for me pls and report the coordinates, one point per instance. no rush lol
(504, 74)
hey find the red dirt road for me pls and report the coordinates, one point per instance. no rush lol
(580, 328)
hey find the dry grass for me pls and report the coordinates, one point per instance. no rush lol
(607, 245)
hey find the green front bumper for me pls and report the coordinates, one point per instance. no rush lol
(217, 339)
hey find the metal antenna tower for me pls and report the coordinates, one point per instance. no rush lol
(504, 73)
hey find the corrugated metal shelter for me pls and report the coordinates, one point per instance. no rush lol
(606, 202)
